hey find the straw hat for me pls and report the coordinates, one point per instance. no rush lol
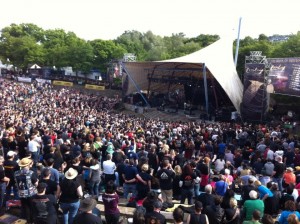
(25, 162)
(71, 173)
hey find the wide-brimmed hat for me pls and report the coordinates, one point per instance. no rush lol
(87, 204)
(290, 169)
(25, 162)
(71, 173)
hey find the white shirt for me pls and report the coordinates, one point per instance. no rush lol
(33, 146)
(109, 167)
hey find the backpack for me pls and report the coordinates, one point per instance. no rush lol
(266, 153)
(188, 181)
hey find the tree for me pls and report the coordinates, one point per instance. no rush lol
(104, 51)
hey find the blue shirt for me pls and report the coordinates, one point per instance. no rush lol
(130, 172)
(263, 190)
(221, 187)
(285, 214)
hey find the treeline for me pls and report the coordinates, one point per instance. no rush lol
(26, 44)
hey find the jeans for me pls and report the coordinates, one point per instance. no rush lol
(197, 189)
(2, 193)
(94, 188)
(8, 191)
(69, 211)
(279, 182)
(186, 193)
(129, 188)
(35, 157)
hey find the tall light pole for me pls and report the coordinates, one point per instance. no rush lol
(237, 43)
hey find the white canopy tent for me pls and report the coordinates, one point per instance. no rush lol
(217, 58)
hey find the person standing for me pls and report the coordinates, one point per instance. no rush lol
(187, 181)
(71, 191)
(279, 168)
(26, 181)
(86, 216)
(131, 177)
(10, 166)
(44, 206)
(111, 200)
(109, 168)
(197, 217)
(4, 181)
(33, 147)
(166, 176)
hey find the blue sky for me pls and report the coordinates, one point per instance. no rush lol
(103, 19)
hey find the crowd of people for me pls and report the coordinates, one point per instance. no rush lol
(60, 144)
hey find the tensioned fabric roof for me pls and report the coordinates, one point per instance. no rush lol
(217, 57)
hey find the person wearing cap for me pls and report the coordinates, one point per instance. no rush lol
(155, 215)
(44, 206)
(289, 177)
(71, 192)
(10, 166)
(26, 181)
(85, 214)
(253, 204)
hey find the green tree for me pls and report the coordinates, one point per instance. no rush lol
(22, 44)
(104, 51)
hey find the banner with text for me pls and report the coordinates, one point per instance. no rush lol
(24, 79)
(62, 83)
(95, 87)
(284, 76)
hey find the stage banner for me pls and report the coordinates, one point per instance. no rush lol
(62, 83)
(23, 79)
(95, 87)
(284, 76)
(43, 81)
(255, 95)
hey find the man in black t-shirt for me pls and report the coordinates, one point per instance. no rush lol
(166, 176)
(279, 168)
(10, 166)
(44, 206)
(86, 216)
(52, 186)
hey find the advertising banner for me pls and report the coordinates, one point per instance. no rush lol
(24, 79)
(62, 83)
(95, 87)
(43, 81)
(284, 76)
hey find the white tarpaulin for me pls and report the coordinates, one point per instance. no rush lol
(218, 59)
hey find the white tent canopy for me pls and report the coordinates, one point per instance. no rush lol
(35, 66)
(218, 59)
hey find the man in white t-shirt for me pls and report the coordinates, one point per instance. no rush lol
(109, 168)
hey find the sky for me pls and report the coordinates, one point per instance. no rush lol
(106, 20)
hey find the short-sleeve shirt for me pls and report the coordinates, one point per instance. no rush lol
(69, 191)
(165, 177)
(130, 172)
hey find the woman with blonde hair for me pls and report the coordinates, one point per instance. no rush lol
(232, 214)
(176, 188)
(293, 219)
